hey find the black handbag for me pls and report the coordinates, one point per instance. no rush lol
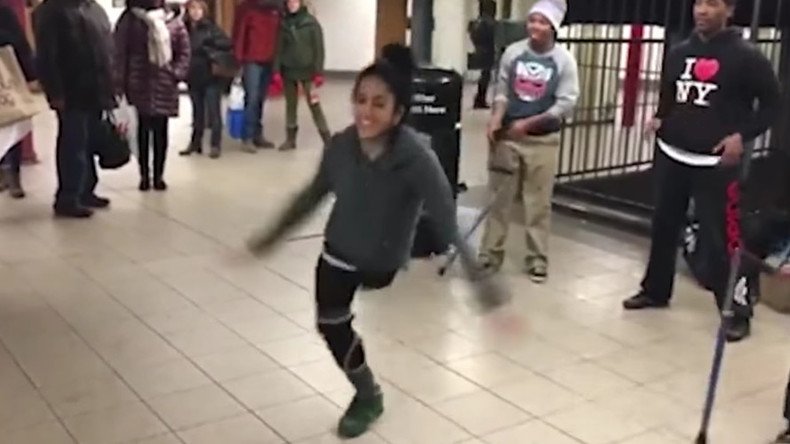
(110, 144)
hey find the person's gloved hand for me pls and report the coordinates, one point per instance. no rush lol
(318, 80)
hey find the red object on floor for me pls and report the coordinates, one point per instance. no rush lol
(28, 152)
(632, 80)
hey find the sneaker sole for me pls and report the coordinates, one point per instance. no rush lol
(346, 435)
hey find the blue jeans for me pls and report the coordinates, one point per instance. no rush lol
(205, 105)
(256, 78)
(12, 160)
(76, 165)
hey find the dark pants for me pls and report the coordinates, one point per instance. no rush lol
(152, 127)
(335, 290)
(256, 78)
(12, 160)
(206, 106)
(482, 85)
(716, 193)
(76, 165)
(292, 106)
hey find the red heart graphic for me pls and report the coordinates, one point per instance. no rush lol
(706, 69)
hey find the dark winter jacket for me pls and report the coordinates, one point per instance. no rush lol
(709, 90)
(209, 44)
(74, 61)
(11, 33)
(149, 88)
(300, 49)
(482, 32)
(255, 30)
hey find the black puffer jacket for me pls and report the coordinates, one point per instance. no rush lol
(209, 45)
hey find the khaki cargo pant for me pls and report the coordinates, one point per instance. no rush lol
(521, 173)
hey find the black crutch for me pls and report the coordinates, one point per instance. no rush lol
(453, 254)
(727, 315)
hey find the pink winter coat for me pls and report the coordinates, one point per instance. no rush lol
(149, 88)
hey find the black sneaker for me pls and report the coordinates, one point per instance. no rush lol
(73, 212)
(145, 184)
(739, 329)
(360, 415)
(160, 185)
(94, 201)
(642, 301)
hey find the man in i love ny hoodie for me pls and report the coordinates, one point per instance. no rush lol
(718, 94)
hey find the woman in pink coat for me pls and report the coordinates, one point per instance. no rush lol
(152, 57)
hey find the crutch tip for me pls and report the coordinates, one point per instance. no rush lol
(442, 271)
(702, 438)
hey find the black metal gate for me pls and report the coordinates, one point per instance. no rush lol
(620, 46)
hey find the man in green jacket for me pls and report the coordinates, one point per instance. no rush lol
(300, 62)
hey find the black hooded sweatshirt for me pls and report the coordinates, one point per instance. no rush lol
(709, 90)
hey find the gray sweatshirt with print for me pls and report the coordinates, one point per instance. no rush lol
(531, 83)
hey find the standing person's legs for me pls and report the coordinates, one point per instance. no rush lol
(10, 172)
(72, 153)
(251, 80)
(143, 150)
(317, 112)
(673, 188)
(540, 156)
(256, 78)
(291, 110)
(335, 289)
(482, 88)
(89, 197)
(160, 133)
(198, 97)
(717, 204)
(213, 99)
(503, 178)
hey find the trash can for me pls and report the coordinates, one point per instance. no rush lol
(436, 111)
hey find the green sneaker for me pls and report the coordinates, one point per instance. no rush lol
(360, 415)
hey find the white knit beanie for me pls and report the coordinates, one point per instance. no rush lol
(553, 10)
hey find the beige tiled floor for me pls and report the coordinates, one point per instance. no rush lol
(137, 326)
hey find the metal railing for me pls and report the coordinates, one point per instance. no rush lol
(620, 66)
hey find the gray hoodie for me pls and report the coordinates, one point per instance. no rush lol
(378, 202)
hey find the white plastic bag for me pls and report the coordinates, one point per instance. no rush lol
(236, 97)
(126, 118)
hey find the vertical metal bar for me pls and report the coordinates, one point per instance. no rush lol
(646, 103)
(422, 30)
(601, 142)
(756, 13)
(621, 149)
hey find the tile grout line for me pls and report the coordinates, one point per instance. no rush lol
(38, 392)
(112, 368)
(242, 338)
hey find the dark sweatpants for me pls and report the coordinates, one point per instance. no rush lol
(716, 193)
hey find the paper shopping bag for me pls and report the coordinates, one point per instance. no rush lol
(16, 101)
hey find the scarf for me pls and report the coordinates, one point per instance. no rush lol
(160, 51)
